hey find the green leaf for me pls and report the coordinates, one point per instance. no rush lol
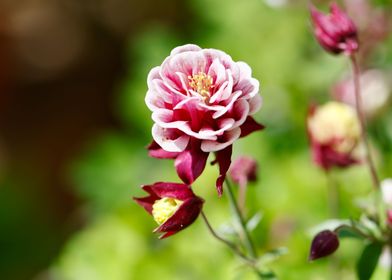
(368, 261)
(272, 255)
(254, 221)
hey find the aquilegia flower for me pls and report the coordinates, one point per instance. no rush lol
(335, 32)
(173, 206)
(334, 133)
(201, 102)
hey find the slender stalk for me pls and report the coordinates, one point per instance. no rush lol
(356, 230)
(240, 219)
(251, 262)
(231, 245)
(242, 197)
(361, 117)
(333, 195)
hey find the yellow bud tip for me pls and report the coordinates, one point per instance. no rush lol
(336, 120)
(164, 208)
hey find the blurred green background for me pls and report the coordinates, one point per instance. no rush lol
(74, 127)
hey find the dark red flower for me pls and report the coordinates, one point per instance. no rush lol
(174, 206)
(335, 32)
(324, 244)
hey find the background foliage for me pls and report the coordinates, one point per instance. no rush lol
(109, 237)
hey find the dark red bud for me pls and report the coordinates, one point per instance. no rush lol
(324, 244)
(335, 32)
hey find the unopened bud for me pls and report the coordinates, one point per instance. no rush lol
(335, 31)
(324, 244)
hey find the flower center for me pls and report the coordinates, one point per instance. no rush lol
(164, 208)
(202, 84)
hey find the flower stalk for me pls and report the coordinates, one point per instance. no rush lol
(241, 222)
(249, 261)
(231, 245)
(361, 117)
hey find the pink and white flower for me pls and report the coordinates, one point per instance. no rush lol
(201, 102)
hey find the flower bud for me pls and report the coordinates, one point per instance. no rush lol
(335, 32)
(324, 244)
(243, 170)
(334, 132)
(173, 206)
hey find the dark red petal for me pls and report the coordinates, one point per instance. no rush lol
(326, 157)
(223, 158)
(154, 150)
(175, 190)
(183, 217)
(324, 244)
(249, 126)
(146, 202)
(167, 234)
(190, 164)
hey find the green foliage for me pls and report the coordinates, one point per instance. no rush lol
(368, 261)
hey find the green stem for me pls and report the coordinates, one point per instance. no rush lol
(251, 262)
(361, 117)
(241, 221)
(356, 230)
(241, 198)
(231, 245)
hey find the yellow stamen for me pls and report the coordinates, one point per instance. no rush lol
(164, 208)
(202, 84)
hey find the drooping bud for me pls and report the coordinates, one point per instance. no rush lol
(243, 170)
(324, 244)
(335, 32)
(334, 132)
(174, 206)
